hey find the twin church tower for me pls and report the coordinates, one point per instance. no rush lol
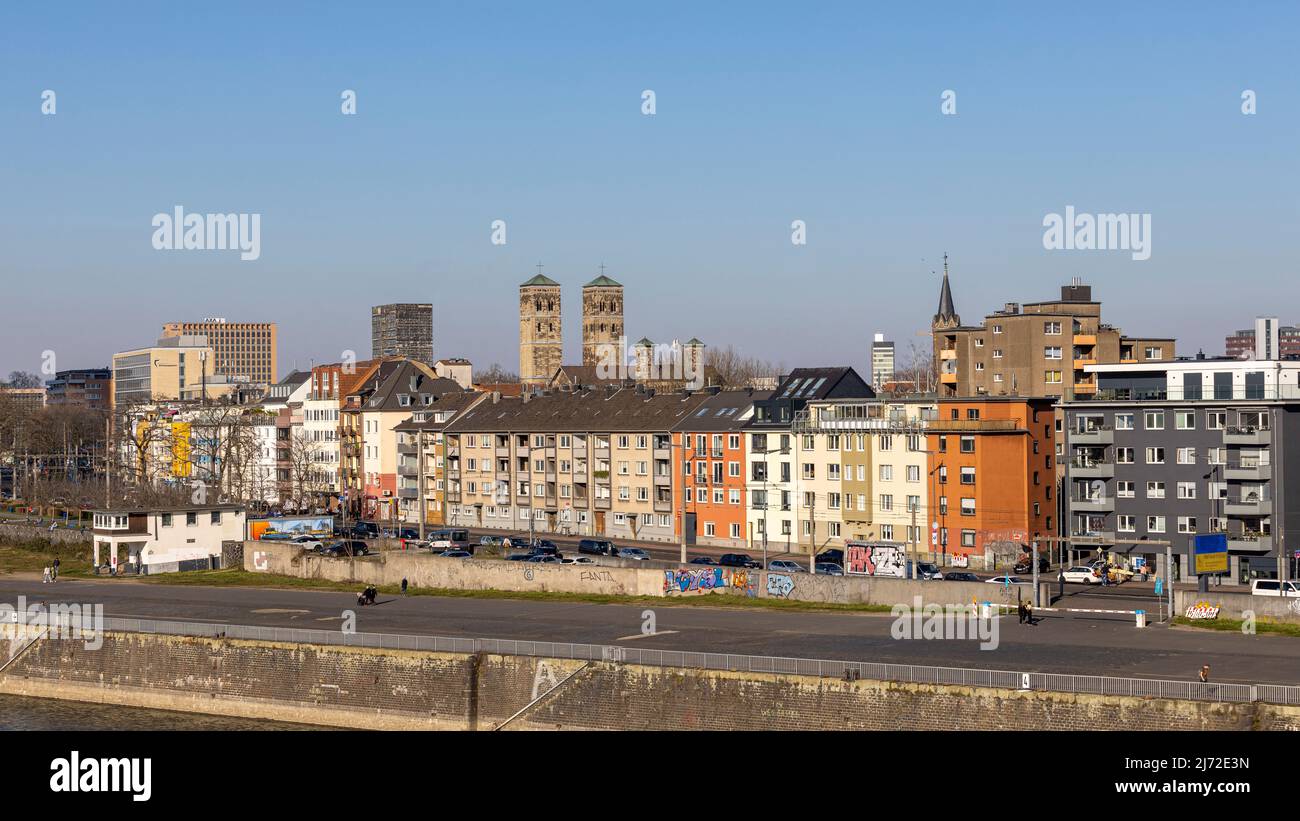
(541, 344)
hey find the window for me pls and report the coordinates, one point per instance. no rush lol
(886, 502)
(979, 342)
(1153, 352)
(1124, 490)
(1186, 524)
(215, 518)
(997, 329)
(191, 519)
(1052, 352)
(1052, 377)
(967, 506)
(1155, 490)
(833, 472)
(809, 471)
(1052, 328)
(913, 473)
(997, 353)
(968, 476)
(735, 530)
(1126, 523)
(1186, 456)
(968, 444)
(887, 533)
(1153, 420)
(886, 473)
(710, 529)
(1185, 420)
(1155, 456)
(1124, 456)
(1123, 421)
(968, 538)
(1216, 420)
(1155, 524)
(1186, 490)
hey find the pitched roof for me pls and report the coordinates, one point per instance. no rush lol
(723, 411)
(603, 281)
(454, 402)
(609, 410)
(540, 279)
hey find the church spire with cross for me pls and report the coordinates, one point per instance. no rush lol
(947, 316)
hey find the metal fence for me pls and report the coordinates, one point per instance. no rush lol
(879, 671)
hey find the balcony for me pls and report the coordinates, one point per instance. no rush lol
(1084, 340)
(1254, 542)
(1102, 536)
(1248, 471)
(1092, 468)
(948, 378)
(1251, 504)
(1247, 436)
(1097, 435)
(1081, 362)
(1092, 504)
(948, 353)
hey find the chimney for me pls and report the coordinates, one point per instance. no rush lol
(527, 396)
(496, 397)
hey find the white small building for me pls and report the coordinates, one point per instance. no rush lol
(165, 540)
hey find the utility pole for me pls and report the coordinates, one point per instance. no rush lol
(812, 532)
(419, 479)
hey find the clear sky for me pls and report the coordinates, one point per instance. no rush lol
(531, 113)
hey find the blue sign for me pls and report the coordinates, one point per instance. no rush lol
(1160, 586)
(1211, 553)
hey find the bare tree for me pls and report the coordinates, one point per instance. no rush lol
(919, 373)
(24, 379)
(732, 369)
(495, 374)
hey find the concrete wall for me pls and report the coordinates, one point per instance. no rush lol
(1232, 605)
(10, 532)
(397, 689)
(423, 570)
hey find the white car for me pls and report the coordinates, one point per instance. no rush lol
(1273, 587)
(634, 553)
(1007, 580)
(1081, 575)
(577, 560)
(309, 542)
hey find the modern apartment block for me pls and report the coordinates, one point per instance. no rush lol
(402, 329)
(993, 461)
(1166, 451)
(177, 367)
(584, 462)
(242, 351)
(1035, 349)
(88, 387)
(1267, 340)
(541, 341)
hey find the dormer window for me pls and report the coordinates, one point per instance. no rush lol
(404, 400)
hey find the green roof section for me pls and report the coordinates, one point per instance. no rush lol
(603, 281)
(694, 341)
(643, 341)
(540, 279)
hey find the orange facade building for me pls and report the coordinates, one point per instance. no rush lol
(992, 459)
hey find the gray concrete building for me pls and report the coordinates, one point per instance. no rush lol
(1195, 446)
(402, 329)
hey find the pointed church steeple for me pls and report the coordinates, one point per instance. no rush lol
(947, 317)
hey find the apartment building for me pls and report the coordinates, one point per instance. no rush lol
(1035, 349)
(710, 446)
(772, 478)
(422, 459)
(585, 462)
(392, 390)
(862, 469)
(87, 387)
(994, 472)
(1267, 340)
(241, 351)
(1167, 451)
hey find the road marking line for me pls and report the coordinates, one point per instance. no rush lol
(645, 635)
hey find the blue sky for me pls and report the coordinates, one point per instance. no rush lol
(531, 113)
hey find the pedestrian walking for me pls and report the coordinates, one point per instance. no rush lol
(1021, 610)
(403, 586)
(1029, 614)
(45, 576)
(55, 575)
(1205, 674)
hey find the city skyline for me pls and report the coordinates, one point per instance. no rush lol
(697, 198)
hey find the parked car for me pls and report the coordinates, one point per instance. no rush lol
(1274, 587)
(960, 576)
(308, 542)
(545, 548)
(451, 539)
(738, 560)
(709, 560)
(1025, 565)
(830, 569)
(1080, 575)
(577, 560)
(832, 556)
(544, 558)
(634, 553)
(928, 570)
(519, 557)
(455, 554)
(596, 547)
(785, 566)
(1008, 580)
(409, 533)
(345, 547)
(365, 530)
(494, 541)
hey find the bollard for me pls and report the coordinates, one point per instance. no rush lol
(985, 610)
(1141, 618)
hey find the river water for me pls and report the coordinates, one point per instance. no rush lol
(23, 713)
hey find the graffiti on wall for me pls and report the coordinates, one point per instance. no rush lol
(1203, 610)
(866, 559)
(689, 581)
(744, 580)
(779, 585)
(261, 560)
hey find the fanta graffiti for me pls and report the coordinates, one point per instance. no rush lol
(686, 581)
(779, 585)
(1203, 610)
